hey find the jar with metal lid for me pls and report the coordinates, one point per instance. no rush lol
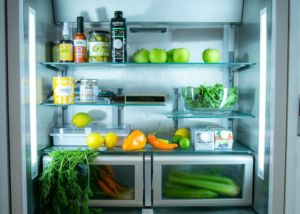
(55, 51)
(99, 48)
(88, 90)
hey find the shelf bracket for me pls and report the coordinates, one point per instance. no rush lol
(175, 107)
(118, 111)
(61, 116)
(148, 180)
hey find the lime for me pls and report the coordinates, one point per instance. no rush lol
(81, 120)
(95, 140)
(184, 132)
(111, 140)
(176, 139)
(185, 143)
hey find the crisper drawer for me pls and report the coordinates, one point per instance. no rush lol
(115, 180)
(202, 180)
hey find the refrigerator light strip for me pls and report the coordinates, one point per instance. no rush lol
(262, 92)
(32, 91)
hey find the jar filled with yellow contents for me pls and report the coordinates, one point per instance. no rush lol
(63, 90)
(99, 48)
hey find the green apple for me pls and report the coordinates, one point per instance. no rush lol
(211, 55)
(170, 54)
(181, 55)
(158, 55)
(141, 56)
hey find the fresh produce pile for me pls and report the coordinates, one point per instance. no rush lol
(136, 140)
(209, 97)
(65, 186)
(187, 185)
(182, 138)
(157, 55)
(106, 184)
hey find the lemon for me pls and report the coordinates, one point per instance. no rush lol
(183, 132)
(81, 120)
(111, 140)
(94, 140)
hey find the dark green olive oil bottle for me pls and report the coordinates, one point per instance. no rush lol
(118, 38)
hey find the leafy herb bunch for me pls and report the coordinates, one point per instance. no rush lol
(65, 186)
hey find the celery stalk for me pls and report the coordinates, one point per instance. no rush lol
(221, 188)
(219, 179)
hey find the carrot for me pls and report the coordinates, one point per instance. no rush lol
(121, 188)
(106, 189)
(108, 180)
(109, 170)
(156, 143)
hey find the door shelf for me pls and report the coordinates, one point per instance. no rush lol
(237, 149)
(208, 114)
(104, 104)
(234, 66)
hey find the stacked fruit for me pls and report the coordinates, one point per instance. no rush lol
(182, 138)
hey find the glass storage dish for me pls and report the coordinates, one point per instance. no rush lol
(209, 98)
(202, 180)
(125, 171)
(72, 136)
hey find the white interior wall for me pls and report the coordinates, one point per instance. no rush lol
(155, 79)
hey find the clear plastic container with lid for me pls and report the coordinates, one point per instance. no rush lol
(99, 48)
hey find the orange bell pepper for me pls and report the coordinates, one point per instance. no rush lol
(135, 141)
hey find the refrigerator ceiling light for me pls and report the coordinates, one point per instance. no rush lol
(262, 92)
(32, 91)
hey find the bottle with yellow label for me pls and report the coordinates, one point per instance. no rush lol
(66, 45)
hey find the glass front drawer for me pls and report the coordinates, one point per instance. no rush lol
(117, 181)
(208, 180)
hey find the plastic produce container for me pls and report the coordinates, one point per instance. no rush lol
(72, 136)
(209, 99)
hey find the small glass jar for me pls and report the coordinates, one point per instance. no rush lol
(99, 49)
(55, 51)
(88, 91)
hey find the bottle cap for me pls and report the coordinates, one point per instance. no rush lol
(118, 13)
(66, 31)
(79, 24)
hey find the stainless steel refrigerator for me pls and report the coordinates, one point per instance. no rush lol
(253, 37)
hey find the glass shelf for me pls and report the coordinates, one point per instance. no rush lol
(237, 149)
(234, 66)
(104, 104)
(208, 114)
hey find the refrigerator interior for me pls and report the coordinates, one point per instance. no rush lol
(241, 38)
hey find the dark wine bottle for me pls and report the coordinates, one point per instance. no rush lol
(118, 38)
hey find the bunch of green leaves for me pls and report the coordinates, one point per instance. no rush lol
(209, 97)
(64, 181)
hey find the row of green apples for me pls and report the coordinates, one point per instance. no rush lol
(177, 55)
